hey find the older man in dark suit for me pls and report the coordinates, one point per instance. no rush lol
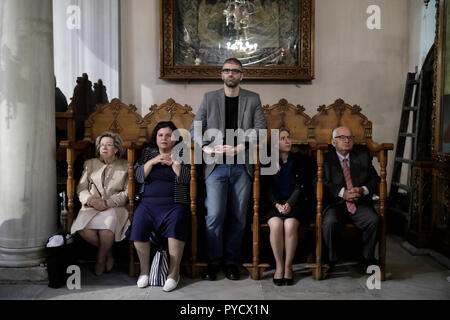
(350, 180)
(229, 174)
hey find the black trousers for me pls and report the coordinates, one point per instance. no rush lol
(365, 218)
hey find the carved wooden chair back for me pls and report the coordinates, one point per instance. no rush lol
(340, 114)
(285, 114)
(116, 117)
(180, 115)
(84, 102)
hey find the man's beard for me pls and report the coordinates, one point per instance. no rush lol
(232, 84)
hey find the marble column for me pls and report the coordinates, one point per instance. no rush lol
(28, 209)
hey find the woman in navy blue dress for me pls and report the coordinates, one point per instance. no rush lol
(163, 208)
(289, 201)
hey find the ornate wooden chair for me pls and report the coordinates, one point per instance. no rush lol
(116, 117)
(70, 124)
(341, 114)
(293, 117)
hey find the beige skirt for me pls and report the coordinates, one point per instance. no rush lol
(114, 219)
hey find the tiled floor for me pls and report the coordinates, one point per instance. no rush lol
(408, 277)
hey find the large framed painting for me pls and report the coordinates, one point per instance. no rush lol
(274, 39)
(441, 131)
(442, 125)
(441, 105)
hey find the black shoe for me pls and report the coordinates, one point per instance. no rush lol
(232, 272)
(289, 281)
(210, 272)
(365, 263)
(330, 265)
(278, 282)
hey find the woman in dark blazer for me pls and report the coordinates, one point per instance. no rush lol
(163, 211)
(288, 202)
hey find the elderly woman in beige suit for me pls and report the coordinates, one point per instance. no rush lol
(103, 193)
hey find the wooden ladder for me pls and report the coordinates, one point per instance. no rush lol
(401, 202)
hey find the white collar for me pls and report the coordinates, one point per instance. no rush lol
(341, 157)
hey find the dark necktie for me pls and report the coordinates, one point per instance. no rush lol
(351, 207)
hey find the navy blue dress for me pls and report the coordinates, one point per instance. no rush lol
(157, 212)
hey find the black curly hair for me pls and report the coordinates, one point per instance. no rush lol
(161, 125)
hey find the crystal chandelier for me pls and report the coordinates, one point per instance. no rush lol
(237, 15)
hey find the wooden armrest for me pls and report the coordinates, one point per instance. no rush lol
(79, 145)
(321, 146)
(133, 144)
(313, 145)
(65, 144)
(375, 147)
(64, 115)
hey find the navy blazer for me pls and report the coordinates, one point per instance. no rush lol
(300, 183)
(303, 171)
(361, 170)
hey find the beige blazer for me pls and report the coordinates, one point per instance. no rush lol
(114, 190)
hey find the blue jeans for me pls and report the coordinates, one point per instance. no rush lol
(228, 183)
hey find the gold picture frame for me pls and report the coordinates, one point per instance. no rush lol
(441, 114)
(273, 39)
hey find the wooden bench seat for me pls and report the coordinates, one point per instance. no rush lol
(314, 135)
(309, 134)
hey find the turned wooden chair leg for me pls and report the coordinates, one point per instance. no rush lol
(132, 270)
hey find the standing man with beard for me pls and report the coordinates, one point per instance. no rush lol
(228, 184)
